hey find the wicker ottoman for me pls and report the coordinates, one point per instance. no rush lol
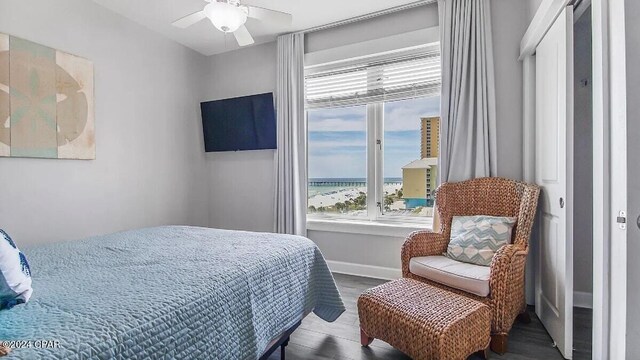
(423, 321)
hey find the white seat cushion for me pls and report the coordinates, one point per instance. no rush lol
(471, 278)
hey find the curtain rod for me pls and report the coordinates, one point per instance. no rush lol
(367, 16)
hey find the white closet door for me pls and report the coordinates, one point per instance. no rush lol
(554, 172)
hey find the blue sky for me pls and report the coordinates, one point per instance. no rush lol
(337, 138)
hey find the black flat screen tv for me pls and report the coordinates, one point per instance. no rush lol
(243, 123)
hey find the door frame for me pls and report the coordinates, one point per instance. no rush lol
(609, 172)
(610, 175)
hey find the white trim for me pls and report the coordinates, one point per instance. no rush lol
(610, 179)
(378, 228)
(378, 159)
(546, 15)
(369, 16)
(372, 175)
(409, 41)
(601, 205)
(582, 299)
(370, 271)
(618, 158)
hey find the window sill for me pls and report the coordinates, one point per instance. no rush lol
(368, 227)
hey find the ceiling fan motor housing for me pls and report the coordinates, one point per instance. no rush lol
(226, 15)
(229, 16)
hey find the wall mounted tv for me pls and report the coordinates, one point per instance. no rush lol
(243, 123)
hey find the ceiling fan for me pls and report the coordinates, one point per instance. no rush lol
(229, 16)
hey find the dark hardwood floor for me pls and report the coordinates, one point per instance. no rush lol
(317, 339)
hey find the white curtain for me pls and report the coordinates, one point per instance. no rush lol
(467, 109)
(291, 169)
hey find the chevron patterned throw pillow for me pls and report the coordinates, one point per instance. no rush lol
(475, 239)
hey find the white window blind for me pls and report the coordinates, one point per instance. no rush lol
(393, 78)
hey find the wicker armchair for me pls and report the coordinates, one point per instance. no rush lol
(494, 197)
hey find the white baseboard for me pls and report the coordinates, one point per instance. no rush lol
(582, 299)
(370, 271)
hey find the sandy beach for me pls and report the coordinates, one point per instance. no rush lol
(336, 196)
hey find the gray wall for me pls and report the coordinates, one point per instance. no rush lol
(633, 174)
(150, 167)
(509, 25)
(375, 28)
(583, 158)
(242, 184)
(532, 7)
(374, 250)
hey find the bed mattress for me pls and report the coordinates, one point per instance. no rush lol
(167, 293)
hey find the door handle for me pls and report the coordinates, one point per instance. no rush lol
(561, 203)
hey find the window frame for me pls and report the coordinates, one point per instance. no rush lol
(375, 222)
(374, 176)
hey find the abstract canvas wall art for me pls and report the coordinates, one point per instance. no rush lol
(46, 102)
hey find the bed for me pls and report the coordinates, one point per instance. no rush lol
(169, 292)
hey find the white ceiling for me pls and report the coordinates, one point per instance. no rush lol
(158, 15)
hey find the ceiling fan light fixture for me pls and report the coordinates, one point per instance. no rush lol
(226, 17)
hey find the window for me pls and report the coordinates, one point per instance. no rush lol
(373, 130)
(337, 148)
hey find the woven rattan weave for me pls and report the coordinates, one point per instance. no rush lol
(424, 321)
(484, 196)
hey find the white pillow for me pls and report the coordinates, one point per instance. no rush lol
(15, 274)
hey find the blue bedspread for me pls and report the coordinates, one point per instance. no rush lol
(169, 293)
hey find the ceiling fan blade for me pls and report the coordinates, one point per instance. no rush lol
(243, 36)
(267, 15)
(189, 20)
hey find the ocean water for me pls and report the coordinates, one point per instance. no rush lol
(320, 190)
(319, 186)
